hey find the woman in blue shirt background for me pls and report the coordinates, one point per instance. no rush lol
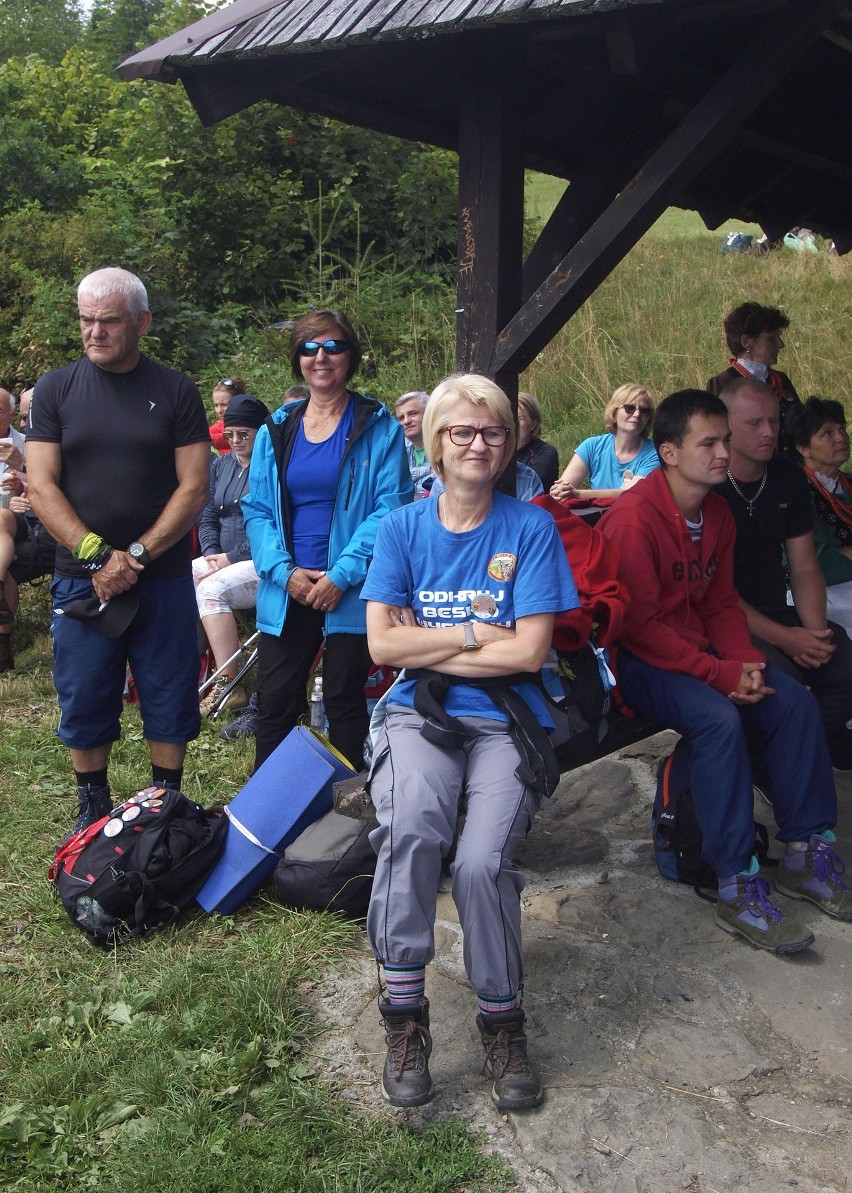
(617, 460)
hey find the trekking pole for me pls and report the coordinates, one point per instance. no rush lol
(240, 650)
(217, 707)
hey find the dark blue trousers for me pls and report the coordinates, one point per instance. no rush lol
(787, 727)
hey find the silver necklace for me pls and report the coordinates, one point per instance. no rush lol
(749, 500)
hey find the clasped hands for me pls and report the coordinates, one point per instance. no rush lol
(311, 587)
(751, 689)
(118, 574)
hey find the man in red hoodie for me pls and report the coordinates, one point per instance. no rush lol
(687, 661)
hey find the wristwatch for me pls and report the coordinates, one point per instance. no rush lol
(470, 642)
(139, 552)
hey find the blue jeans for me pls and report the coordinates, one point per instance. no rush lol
(161, 647)
(787, 727)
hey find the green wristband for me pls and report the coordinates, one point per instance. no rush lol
(89, 547)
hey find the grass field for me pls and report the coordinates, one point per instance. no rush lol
(186, 1063)
(543, 192)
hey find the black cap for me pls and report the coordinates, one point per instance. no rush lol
(111, 617)
(245, 410)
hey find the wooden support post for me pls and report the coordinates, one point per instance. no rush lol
(491, 211)
(491, 200)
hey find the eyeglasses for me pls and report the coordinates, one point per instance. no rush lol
(329, 347)
(630, 408)
(238, 436)
(463, 436)
(226, 383)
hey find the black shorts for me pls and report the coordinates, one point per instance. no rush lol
(35, 551)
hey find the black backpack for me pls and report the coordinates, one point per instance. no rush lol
(330, 867)
(133, 871)
(674, 826)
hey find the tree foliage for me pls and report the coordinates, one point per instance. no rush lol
(229, 225)
(43, 27)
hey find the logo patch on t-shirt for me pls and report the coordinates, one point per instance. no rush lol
(502, 566)
(483, 605)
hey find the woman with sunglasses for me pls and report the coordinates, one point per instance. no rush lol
(224, 389)
(462, 592)
(618, 459)
(325, 471)
(224, 575)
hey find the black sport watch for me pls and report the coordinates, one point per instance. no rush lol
(139, 552)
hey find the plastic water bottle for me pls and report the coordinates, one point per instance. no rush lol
(317, 706)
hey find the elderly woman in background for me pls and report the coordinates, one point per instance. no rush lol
(462, 592)
(819, 436)
(224, 575)
(325, 471)
(618, 459)
(224, 389)
(533, 451)
(753, 335)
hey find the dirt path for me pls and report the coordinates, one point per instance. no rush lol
(675, 1057)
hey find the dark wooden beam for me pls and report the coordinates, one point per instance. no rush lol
(491, 208)
(491, 199)
(712, 123)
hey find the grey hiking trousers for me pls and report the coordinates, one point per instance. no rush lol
(418, 791)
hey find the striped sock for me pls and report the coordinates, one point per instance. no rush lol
(493, 1006)
(405, 984)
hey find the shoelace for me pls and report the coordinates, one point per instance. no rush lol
(406, 1045)
(508, 1054)
(829, 866)
(756, 900)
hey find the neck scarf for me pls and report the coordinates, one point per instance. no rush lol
(831, 508)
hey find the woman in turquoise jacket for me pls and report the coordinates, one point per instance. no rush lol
(324, 472)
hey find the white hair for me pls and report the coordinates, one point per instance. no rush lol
(415, 395)
(105, 282)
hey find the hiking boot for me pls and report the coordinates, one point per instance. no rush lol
(405, 1077)
(517, 1086)
(752, 914)
(236, 697)
(93, 804)
(245, 725)
(7, 659)
(818, 879)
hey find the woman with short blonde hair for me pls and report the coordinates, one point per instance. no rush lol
(462, 592)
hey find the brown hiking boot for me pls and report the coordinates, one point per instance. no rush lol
(517, 1086)
(405, 1077)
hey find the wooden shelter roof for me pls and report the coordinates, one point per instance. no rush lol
(586, 72)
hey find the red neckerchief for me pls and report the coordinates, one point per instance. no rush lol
(774, 379)
(840, 509)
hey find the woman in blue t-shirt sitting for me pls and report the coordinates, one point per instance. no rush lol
(617, 460)
(462, 592)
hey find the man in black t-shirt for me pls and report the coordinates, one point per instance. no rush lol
(769, 499)
(117, 460)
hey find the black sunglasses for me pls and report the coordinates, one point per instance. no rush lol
(631, 408)
(226, 383)
(329, 347)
